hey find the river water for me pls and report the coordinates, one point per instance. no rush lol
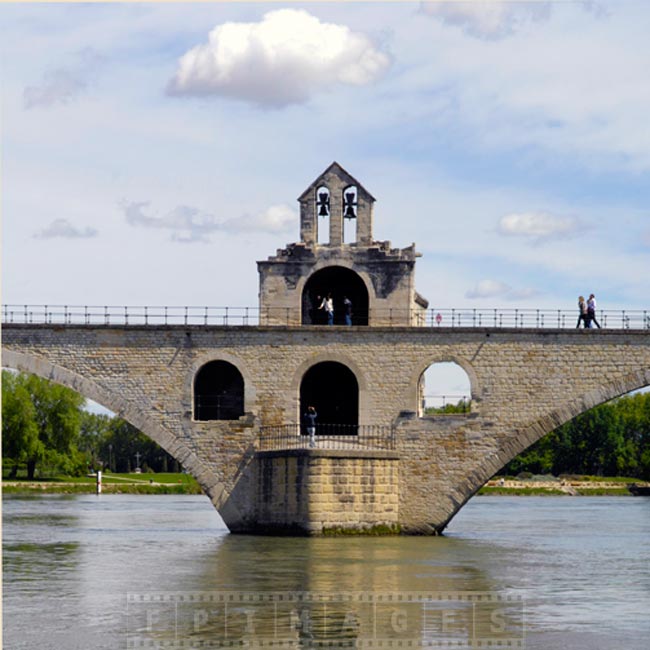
(122, 571)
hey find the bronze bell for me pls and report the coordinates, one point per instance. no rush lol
(324, 203)
(349, 212)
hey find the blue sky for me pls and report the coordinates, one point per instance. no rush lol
(152, 153)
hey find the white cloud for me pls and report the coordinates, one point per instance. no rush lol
(572, 88)
(186, 224)
(57, 87)
(276, 219)
(490, 19)
(488, 289)
(538, 226)
(282, 60)
(497, 289)
(63, 228)
(189, 225)
(62, 85)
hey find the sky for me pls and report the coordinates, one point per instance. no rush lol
(152, 153)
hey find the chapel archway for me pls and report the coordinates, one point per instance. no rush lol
(340, 283)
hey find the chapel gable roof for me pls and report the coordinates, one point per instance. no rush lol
(347, 179)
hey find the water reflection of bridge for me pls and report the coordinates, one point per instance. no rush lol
(336, 593)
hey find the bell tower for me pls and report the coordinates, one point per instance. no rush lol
(368, 282)
(333, 198)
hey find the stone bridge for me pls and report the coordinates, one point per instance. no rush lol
(524, 383)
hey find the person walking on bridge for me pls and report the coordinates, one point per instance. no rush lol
(582, 312)
(591, 311)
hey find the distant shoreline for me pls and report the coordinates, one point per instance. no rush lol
(557, 487)
(494, 487)
(111, 484)
(21, 487)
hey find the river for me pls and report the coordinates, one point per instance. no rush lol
(127, 571)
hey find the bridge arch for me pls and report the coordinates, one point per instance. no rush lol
(124, 409)
(559, 416)
(540, 427)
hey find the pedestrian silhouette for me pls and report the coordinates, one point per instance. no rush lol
(591, 311)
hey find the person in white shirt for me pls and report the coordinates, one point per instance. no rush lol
(591, 311)
(328, 306)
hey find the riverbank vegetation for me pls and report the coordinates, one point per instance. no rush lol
(612, 439)
(47, 433)
(149, 483)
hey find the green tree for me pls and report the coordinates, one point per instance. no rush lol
(58, 416)
(94, 431)
(608, 440)
(126, 441)
(53, 411)
(20, 440)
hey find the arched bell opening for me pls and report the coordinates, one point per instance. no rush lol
(332, 389)
(322, 215)
(349, 297)
(350, 206)
(218, 392)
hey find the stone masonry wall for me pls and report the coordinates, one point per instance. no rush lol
(524, 384)
(315, 491)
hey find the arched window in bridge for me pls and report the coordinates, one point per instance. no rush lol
(342, 283)
(444, 388)
(218, 392)
(332, 389)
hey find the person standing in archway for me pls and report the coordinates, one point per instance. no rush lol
(310, 423)
(347, 308)
(328, 306)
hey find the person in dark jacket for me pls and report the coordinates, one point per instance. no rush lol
(310, 424)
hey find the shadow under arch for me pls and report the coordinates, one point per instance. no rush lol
(540, 427)
(250, 392)
(88, 388)
(218, 393)
(304, 367)
(340, 282)
(332, 388)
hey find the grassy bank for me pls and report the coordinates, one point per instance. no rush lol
(562, 486)
(111, 484)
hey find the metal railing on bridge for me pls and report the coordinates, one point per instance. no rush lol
(327, 436)
(448, 404)
(252, 316)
